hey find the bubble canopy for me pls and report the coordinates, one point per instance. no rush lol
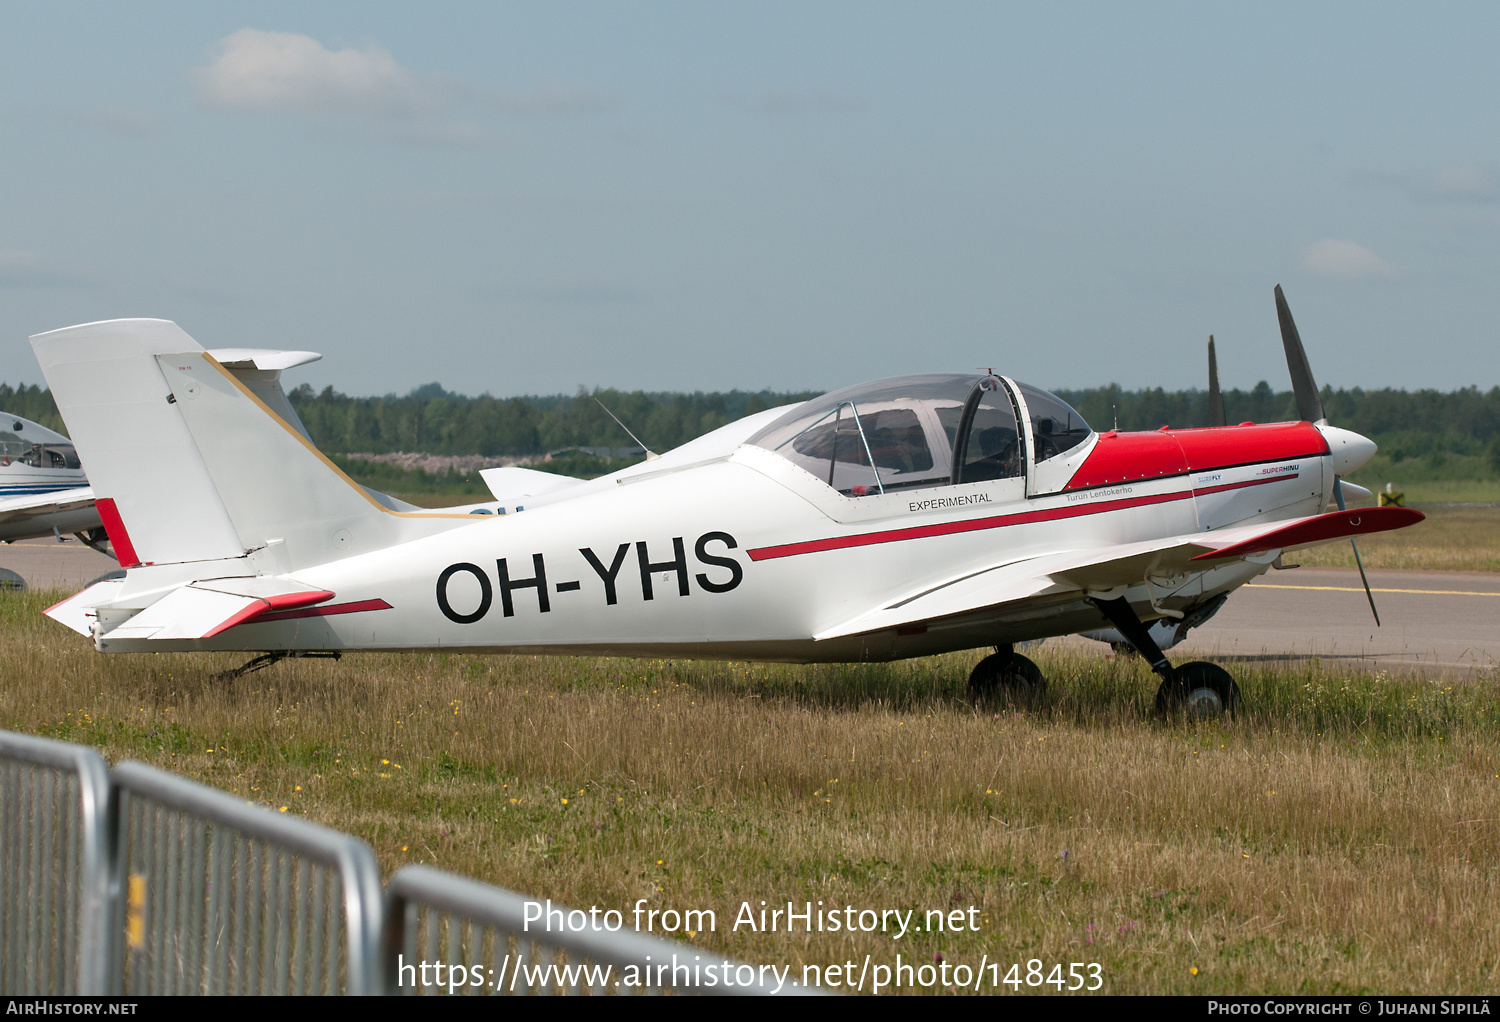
(931, 429)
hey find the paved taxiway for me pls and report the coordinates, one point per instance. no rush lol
(48, 564)
(1435, 622)
(1445, 622)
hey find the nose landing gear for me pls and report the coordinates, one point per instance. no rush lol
(1200, 690)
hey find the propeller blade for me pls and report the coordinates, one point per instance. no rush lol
(1338, 495)
(1309, 404)
(1215, 395)
(1368, 595)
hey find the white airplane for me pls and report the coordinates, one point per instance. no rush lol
(900, 518)
(43, 488)
(43, 491)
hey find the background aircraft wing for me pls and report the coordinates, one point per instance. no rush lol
(1104, 568)
(511, 484)
(32, 504)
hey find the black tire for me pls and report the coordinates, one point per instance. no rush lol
(1200, 690)
(1011, 677)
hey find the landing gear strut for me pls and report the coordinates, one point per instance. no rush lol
(1200, 689)
(267, 659)
(1007, 674)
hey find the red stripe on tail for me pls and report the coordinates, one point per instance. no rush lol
(114, 526)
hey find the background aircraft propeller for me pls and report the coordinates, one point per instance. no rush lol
(1215, 394)
(1310, 409)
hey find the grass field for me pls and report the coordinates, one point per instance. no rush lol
(1343, 834)
(1451, 539)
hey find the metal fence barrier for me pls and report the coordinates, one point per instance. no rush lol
(225, 897)
(139, 882)
(54, 870)
(448, 934)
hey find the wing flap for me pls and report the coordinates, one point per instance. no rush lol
(1068, 571)
(986, 589)
(1107, 569)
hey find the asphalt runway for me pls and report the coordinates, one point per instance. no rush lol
(1438, 623)
(48, 564)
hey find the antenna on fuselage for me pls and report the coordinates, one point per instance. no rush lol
(650, 455)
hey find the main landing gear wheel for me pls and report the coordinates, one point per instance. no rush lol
(1008, 676)
(1200, 690)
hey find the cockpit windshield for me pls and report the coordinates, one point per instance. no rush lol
(1055, 427)
(903, 426)
(926, 430)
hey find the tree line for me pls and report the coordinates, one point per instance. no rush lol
(433, 420)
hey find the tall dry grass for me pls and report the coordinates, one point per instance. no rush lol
(1340, 835)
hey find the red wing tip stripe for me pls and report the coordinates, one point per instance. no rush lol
(767, 553)
(237, 618)
(358, 606)
(262, 607)
(291, 601)
(1322, 528)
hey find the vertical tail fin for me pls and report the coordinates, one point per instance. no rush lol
(197, 466)
(149, 480)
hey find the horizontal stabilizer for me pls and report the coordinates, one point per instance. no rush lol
(77, 611)
(512, 484)
(204, 609)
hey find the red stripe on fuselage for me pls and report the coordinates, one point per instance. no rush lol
(767, 553)
(1205, 491)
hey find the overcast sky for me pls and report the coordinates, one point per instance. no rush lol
(523, 198)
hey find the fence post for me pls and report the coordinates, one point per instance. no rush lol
(54, 867)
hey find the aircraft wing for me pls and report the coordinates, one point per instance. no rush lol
(1102, 569)
(32, 504)
(199, 610)
(512, 483)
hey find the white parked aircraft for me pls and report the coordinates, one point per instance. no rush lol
(900, 518)
(43, 491)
